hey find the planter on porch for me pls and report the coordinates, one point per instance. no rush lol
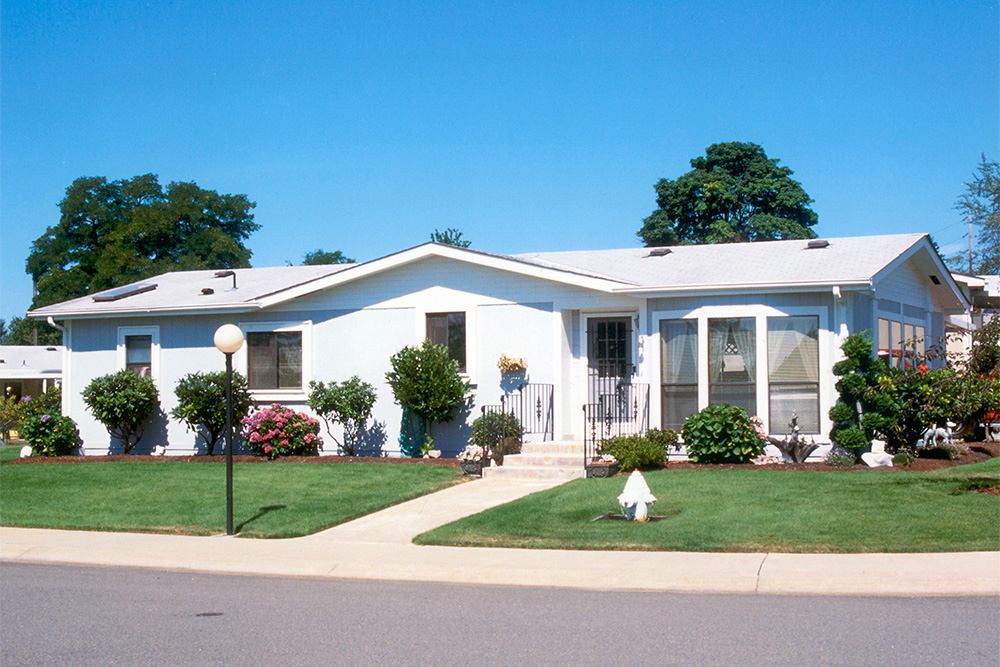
(599, 469)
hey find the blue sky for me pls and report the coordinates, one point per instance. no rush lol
(530, 126)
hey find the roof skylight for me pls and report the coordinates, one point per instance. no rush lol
(126, 291)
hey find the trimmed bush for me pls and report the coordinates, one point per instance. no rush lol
(280, 431)
(839, 460)
(51, 435)
(123, 402)
(721, 434)
(348, 403)
(635, 451)
(495, 429)
(201, 402)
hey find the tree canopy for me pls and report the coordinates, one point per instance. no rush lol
(735, 193)
(21, 331)
(317, 257)
(114, 233)
(981, 205)
(450, 236)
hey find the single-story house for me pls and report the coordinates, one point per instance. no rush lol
(641, 335)
(30, 370)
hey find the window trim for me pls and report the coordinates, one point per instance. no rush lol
(153, 331)
(241, 361)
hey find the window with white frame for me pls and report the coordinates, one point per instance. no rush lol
(138, 350)
(678, 371)
(277, 356)
(732, 362)
(793, 373)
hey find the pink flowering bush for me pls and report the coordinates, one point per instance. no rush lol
(279, 431)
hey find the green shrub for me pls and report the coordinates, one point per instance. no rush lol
(635, 451)
(46, 403)
(51, 435)
(348, 403)
(721, 434)
(123, 402)
(839, 460)
(201, 402)
(858, 373)
(903, 457)
(495, 430)
(280, 431)
(664, 437)
(426, 381)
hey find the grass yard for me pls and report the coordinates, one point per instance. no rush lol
(755, 511)
(270, 500)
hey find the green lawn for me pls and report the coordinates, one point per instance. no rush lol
(270, 500)
(755, 511)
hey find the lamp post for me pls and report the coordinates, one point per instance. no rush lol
(229, 339)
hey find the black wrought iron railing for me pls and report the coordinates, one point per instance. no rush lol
(621, 410)
(531, 405)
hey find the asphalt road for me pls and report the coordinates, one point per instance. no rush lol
(69, 615)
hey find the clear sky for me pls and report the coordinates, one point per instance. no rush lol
(530, 126)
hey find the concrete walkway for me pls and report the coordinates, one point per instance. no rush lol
(379, 547)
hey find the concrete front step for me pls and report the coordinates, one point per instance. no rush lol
(560, 459)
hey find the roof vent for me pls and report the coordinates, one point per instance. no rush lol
(817, 243)
(207, 290)
(659, 252)
(226, 274)
(935, 279)
(122, 292)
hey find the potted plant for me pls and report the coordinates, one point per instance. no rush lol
(604, 465)
(472, 459)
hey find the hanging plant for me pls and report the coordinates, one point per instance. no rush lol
(511, 364)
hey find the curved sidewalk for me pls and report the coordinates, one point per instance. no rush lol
(379, 547)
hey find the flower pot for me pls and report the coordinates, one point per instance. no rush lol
(598, 469)
(472, 468)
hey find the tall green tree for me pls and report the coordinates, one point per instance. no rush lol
(735, 193)
(318, 257)
(21, 331)
(450, 236)
(114, 233)
(980, 204)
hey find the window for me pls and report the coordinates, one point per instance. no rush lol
(448, 329)
(139, 350)
(274, 359)
(793, 372)
(732, 363)
(678, 371)
(139, 354)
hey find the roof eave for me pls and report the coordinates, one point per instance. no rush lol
(42, 313)
(746, 288)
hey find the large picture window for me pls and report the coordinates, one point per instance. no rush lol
(274, 359)
(793, 372)
(678, 371)
(448, 329)
(732, 363)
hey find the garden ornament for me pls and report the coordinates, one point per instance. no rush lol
(25, 451)
(935, 437)
(877, 456)
(635, 498)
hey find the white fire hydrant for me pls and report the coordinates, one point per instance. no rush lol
(636, 498)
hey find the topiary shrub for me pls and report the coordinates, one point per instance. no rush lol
(859, 372)
(123, 402)
(426, 381)
(499, 433)
(51, 435)
(635, 451)
(721, 434)
(201, 402)
(348, 403)
(280, 431)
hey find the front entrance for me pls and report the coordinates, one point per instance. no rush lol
(614, 399)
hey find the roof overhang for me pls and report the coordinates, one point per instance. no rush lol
(951, 297)
(432, 250)
(746, 288)
(42, 313)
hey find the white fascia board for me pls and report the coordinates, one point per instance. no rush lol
(943, 273)
(405, 257)
(745, 288)
(158, 310)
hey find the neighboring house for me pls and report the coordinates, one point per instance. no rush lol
(983, 292)
(29, 370)
(665, 330)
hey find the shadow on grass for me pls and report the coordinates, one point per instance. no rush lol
(263, 511)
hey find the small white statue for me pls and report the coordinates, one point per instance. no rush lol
(936, 437)
(877, 456)
(25, 451)
(636, 498)
(158, 450)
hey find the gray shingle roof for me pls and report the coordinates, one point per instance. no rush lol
(30, 361)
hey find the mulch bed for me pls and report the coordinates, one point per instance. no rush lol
(926, 460)
(239, 458)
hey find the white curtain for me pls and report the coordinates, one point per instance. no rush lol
(744, 333)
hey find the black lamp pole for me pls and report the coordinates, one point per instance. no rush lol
(229, 443)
